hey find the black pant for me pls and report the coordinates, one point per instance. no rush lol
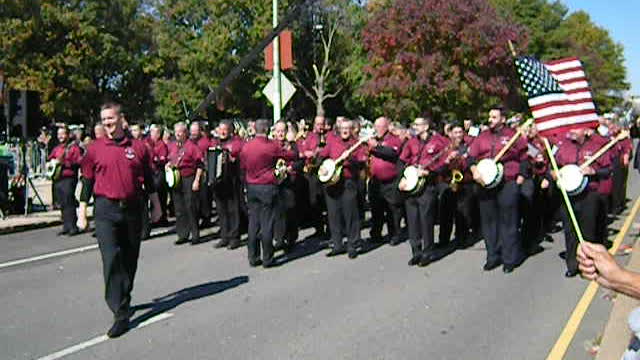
(446, 212)
(534, 205)
(586, 208)
(261, 201)
(286, 226)
(465, 207)
(227, 195)
(65, 189)
(185, 202)
(619, 193)
(421, 212)
(161, 188)
(118, 228)
(316, 204)
(601, 220)
(386, 205)
(204, 198)
(499, 215)
(342, 211)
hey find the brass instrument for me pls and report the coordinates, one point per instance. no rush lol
(281, 171)
(456, 179)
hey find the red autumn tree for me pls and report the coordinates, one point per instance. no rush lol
(444, 57)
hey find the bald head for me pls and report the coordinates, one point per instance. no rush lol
(381, 126)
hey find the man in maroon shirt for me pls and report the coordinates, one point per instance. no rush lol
(499, 207)
(159, 154)
(114, 167)
(576, 150)
(423, 152)
(227, 190)
(258, 159)
(69, 155)
(342, 198)
(187, 158)
(309, 147)
(623, 150)
(386, 203)
(200, 138)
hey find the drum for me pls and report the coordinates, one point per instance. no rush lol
(54, 169)
(572, 179)
(490, 172)
(172, 177)
(329, 173)
(411, 181)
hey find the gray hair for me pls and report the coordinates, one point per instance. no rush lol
(262, 126)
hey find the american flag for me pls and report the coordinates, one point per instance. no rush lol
(559, 94)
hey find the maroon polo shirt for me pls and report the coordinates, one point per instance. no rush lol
(381, 169)
(70, 161)
(291, 161)
(421, 152)
(202, 143)
(571, 152)
(120, 170)
(159, 154)
(337, 147)
(258, 160)
(187, 157)
(537, 157)
(489, 143)
(309, 143)
(232, 144)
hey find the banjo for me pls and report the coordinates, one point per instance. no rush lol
(491, 171)
(571, 176)
(172, 172)
(53, 169)
(411, 182)
(330, 171)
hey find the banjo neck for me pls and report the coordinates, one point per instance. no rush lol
(512, 141)
(604, 149)
(345, 155)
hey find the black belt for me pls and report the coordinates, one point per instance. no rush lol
(123, 203)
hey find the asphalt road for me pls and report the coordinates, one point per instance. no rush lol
(213, 305)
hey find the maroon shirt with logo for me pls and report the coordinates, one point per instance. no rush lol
(258, 160)
(489, 143)
(337, 147)
(422, 152)
(232, 144)
(159, 153)
(382, 169)
(186, 157)
(70, 161)
(571, 152)
(120, 170)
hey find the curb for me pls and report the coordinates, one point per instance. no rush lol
(26, 227)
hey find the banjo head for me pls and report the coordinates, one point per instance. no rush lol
(411, 178)
(326, 170)
(172, 177)
(572, 179)
(490, 172)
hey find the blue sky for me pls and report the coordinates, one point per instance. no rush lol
(618, 17)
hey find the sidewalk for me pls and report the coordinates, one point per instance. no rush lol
(35, 220)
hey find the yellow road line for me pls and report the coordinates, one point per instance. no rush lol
(560, 348)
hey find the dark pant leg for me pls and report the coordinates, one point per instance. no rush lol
(413, 224)
(145, 217)
(446, 205)
(426, 210)
(193, 207)
(228, 208)
(508, 222)
(181, 212)
(334, 214)
(377, 207)
(464, 212)
(530, 218)
(161, 189)
(253, 205)
(66, 188)
(291, 214)
(488, 203)
(315, 201)
(204, 200)
(280, 208)
(394, 207)
(351, 216)
(586, 207)
(268, 194)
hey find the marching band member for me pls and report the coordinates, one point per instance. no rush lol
(499, 207)
(286, 226)
(159, 153)
(187, 158)
(228, 191)
(578, 148)
(386, 203)
(200, 138)
(624, 149)
(258, 158)
(309, 147)
(118, 169)
(342, 198)
(422, 151)
(69, 155)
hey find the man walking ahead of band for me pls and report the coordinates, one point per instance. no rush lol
(69, 155)
(118, 168)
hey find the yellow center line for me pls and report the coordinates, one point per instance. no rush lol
(562, 344)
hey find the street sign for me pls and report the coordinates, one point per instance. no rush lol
(287, 90)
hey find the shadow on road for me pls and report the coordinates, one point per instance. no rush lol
(171, 301)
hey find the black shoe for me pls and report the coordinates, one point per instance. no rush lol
(415, 259)
(221, 244)
(535, 250)
(508, 269)
(197, 241)
(73, 232)
(234, 244)
(335, 252)
(63, 232)
(488, 266)
(571, 273)
(205, 224)
(353, 254)
(278, 245)
(563, 255)
(118, 328)
(181, 241)
(269, 264)
(255, 263)
(395, 241)
(376, 238)
(425, 260)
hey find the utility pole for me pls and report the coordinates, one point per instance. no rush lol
(277, 105)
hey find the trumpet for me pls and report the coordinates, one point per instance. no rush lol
(456, 179)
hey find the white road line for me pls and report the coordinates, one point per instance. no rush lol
(99, 339)
(62, 253)
(48, 256)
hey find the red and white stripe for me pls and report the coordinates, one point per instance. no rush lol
(556, 113)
